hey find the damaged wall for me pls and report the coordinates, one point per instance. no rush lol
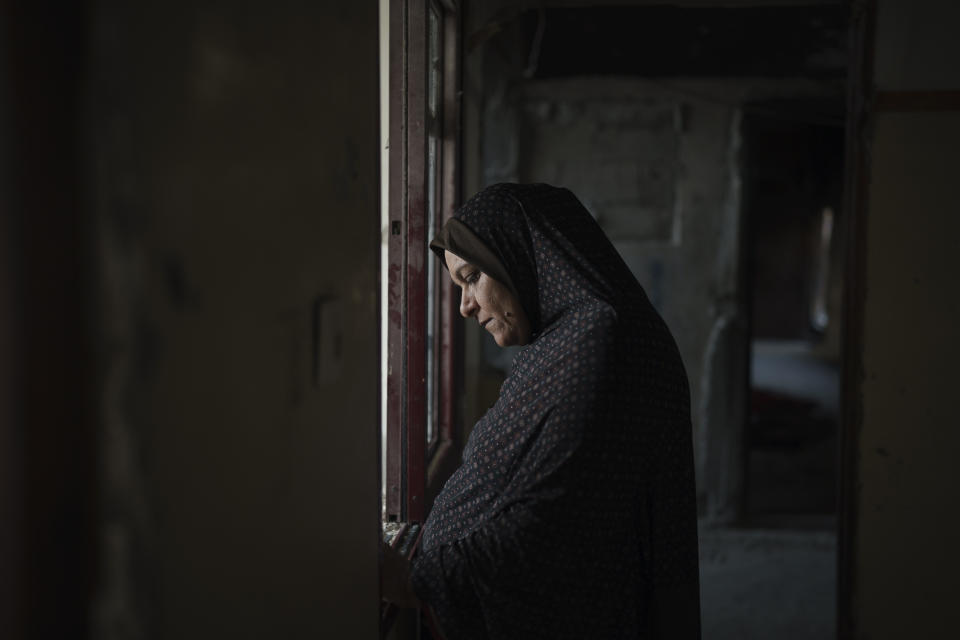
(657, 162)
(658, 171)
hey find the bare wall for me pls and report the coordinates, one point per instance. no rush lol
(906, 554)
(234, 181)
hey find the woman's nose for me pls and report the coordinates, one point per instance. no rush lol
(468, 305)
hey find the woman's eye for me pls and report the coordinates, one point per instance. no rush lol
(473, 277)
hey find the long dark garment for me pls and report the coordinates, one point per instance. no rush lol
(573, 514)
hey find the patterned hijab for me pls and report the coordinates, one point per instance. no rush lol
(573, 514)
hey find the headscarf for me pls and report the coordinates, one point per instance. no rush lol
(573, 514)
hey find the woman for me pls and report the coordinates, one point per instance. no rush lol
(573, 514)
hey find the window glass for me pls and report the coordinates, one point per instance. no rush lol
(434, 117)
(416, 436)
(434, 62)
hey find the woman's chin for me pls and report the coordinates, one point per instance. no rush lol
(505, 339)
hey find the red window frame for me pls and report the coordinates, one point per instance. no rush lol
(416, 469)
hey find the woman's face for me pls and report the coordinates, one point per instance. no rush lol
(490, 302)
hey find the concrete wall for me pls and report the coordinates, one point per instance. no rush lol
(234, 186)
(658, 162)
(906, 553)
(659, 165)
(658, 170)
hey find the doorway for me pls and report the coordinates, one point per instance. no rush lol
(792, 167)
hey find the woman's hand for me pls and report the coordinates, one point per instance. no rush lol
(395, 578)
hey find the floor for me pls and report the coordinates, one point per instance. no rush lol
(768, 584)
(776, 577)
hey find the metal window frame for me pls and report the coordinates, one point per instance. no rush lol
(411, 485)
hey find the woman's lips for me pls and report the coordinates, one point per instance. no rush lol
(483, 325)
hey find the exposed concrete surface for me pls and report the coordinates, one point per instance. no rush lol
(658, 164)
(759, 584)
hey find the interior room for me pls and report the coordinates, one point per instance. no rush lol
(231, 369)
(707, 142)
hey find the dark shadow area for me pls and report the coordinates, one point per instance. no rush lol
(670, 41)
(792, 192)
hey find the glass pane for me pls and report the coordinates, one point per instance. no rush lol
(434, 108)
(434, 78)
(433, 291)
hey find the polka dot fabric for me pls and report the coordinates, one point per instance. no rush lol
(573, 513)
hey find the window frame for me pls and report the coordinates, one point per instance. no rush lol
(415, 468)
